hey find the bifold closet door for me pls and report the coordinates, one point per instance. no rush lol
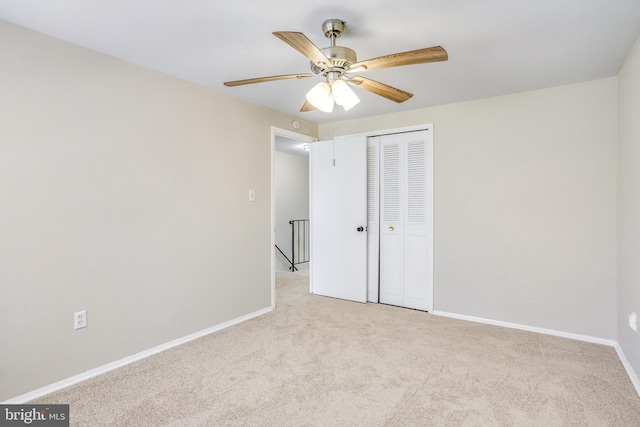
(373, 217)
(391, 213)
(405, 220)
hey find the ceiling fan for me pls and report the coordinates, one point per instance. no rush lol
(337, 64)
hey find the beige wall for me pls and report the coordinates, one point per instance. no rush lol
(123, 192)
(629, 205)
(525, 205)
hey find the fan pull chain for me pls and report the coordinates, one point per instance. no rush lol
(333, 128)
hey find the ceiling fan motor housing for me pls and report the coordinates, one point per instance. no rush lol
(340, 56)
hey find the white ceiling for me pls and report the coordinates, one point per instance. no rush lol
(495, 46)
(291, 146)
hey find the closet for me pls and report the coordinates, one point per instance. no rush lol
(400, 219)
(371, 218)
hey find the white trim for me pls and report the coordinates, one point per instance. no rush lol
(311, 218)
(273, 217)
(276, 131)
(432, 211)
(292, 135)
(586, 338)
(632, 374)
(381, 132)
(130, 359)
(179, 341)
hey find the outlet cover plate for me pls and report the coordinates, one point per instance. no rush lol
(80, 319)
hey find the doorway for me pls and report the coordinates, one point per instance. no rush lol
(289, 197)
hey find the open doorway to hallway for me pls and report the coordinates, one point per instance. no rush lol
(291, 182)
(290, 200)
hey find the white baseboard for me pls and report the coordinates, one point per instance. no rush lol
(129, 359)
(587, 338)
(544, 331)
(632, 374)
(144, 354)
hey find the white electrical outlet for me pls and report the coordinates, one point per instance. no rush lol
(80, 319)
(633, 321)
(252, 195)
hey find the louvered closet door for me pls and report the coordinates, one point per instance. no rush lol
(373, 217)
(405, 242)
(416, 216)
(391, 224)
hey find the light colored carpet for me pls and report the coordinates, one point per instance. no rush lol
(318, 361)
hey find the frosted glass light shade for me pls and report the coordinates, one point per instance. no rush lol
(344, 95)
(320, 97)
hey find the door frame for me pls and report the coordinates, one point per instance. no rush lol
(285, 133)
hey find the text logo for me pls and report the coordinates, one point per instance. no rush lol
(34, 415)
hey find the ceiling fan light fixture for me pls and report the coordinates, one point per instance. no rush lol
(338, 62)
(344, 95)
(320, 97)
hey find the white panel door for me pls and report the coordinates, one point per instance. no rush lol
(338, 216)
(391, 224)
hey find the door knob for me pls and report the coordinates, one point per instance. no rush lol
(360, 229)
(391, 228)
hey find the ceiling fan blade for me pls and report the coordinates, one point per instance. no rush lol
(307, 107)
(267, 79)
(302, 44)
(419, 56)
(381, 89)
